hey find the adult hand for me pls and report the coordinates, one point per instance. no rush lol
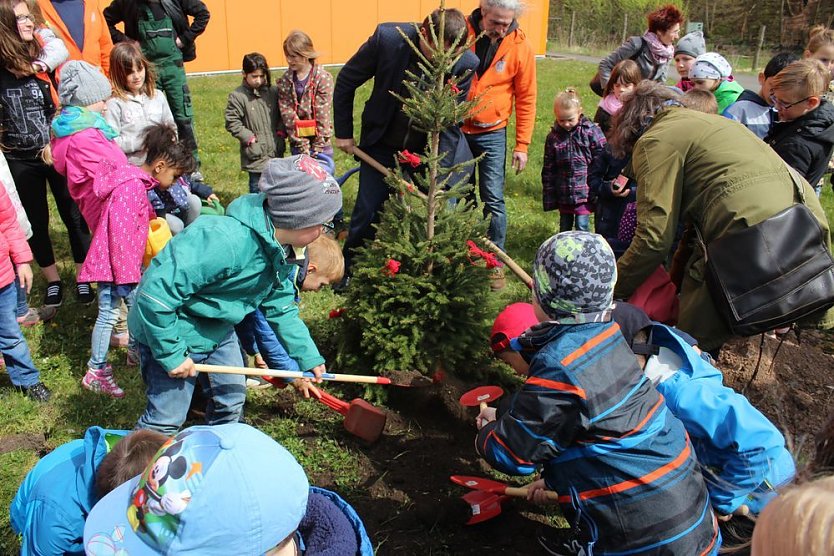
(487, 415)
(345, 145)
(184, 369)
(519, 161)
(24, 274)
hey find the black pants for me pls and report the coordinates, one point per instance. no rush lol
(30, 178)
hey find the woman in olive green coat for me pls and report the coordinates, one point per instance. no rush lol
(700, 168)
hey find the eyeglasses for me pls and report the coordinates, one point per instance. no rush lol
(782, 106)
(23, 18)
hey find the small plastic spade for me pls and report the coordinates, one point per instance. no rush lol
(481, 396)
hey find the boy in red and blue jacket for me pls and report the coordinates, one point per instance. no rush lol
(625, 472)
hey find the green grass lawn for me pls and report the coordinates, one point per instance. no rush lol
(61, 348)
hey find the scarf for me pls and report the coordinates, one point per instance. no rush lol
(610, 104)
(73, 119)
(660, 52)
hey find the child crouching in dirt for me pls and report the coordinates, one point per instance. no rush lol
(743, 456)
(56, 496)
(202, 493)
(191, 297)
(621, 462)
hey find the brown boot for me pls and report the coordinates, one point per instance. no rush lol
(497, 281)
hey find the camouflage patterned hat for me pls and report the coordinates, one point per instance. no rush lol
(574, 274)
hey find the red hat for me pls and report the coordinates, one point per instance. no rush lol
(509, 324)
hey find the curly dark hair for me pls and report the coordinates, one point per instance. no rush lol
(160, 142)
(664, 18)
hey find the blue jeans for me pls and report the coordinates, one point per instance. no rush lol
(13, 346)
(109, 303)
(566, 222)
(256, 336)
(22, 305)
(254, 178)
(490, 173)
(169, 398)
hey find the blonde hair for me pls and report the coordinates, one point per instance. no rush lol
(326, 254)
(805, 78)
(700, 100)
(300, 44)
(818, 37)
(798, 521)
(567, 99)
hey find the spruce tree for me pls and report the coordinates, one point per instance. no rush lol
(417, 298)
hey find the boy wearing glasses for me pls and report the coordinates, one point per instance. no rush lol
(804, 134)
(191, 297)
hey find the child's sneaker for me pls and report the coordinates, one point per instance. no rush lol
(54, 295)
(31, 318)
(132, 359)
(84, 293)
(101, 381)
(37, 392)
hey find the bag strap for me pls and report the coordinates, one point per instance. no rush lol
(297, 99)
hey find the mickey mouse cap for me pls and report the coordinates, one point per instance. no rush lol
(210, 490)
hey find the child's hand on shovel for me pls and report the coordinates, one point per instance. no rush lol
(305, 385)
(537, 493)
(487, 415)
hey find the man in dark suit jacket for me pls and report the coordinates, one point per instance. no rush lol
(385, 57)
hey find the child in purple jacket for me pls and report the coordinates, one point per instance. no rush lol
(569, 149)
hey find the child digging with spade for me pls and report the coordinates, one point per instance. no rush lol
(621, 462)
(182, 317)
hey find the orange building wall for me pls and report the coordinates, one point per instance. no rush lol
(337, 27)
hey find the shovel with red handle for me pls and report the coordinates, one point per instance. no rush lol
(485, 500)
(481, 396)
(361, 418)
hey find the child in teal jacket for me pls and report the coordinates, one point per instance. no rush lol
(213, 274)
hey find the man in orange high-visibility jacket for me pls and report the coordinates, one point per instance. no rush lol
(506, 74)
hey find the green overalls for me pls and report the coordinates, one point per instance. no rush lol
(158, 42)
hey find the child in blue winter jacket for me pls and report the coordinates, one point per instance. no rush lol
(570, 147)
(620, 461)
(58, 493)
(742, 454)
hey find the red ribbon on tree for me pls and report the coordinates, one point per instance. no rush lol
(336, 313)
(409, 158)
(391, 268)
(476, 253)
(455, 88)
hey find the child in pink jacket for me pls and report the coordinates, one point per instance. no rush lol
(15, 255)
(112, 196)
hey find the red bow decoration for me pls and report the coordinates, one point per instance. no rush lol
(336, 313)
(455, 88)
(391, 268)
(409, 158)
(476, 253)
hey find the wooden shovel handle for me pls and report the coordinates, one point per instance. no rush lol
(289, 374)
(373, 163)
(507, 260)
(522, 493)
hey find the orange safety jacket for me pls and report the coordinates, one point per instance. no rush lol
(97, 42)
(511, 74)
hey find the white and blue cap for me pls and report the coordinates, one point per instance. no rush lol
(219, 490)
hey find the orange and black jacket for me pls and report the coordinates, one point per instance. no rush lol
(621, 463)
(511, 77)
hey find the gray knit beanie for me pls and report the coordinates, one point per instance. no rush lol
(574, 273)
(82, 84)
(299, 192)
(691, 44)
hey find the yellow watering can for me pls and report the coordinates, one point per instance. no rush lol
(158, 235)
